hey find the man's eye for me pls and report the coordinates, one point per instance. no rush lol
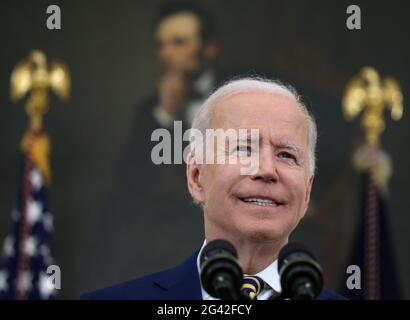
(179, 41)
(287, 155)
(243, 150)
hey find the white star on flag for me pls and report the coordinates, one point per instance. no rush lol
(30, 246)
(36, 179)
(3, 280)
(24, 281)
(46, 286)
(34, 209)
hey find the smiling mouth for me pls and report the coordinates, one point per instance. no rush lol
(261, 202)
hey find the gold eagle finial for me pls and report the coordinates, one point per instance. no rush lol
(370, 94)
(32, 74)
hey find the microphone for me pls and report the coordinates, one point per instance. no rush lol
(300, 275)
(221, 274)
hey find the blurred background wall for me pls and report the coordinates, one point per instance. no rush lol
(109, 48)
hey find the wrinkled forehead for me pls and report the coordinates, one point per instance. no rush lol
(255, 108)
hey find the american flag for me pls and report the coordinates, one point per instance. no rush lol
(26, 251)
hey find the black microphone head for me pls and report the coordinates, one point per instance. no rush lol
(215, 247)
(300, 274)
(221, 274)
(290, 248)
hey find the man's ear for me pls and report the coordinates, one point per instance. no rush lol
(193, 174)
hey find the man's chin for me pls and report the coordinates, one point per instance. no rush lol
(263, 234)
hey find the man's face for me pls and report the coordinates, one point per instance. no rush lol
(179, 43)
(282, 178)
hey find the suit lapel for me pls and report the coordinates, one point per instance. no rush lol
(181, 282)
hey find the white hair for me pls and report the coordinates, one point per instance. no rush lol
(202, 119)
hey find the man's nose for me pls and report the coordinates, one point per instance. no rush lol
(266, 169)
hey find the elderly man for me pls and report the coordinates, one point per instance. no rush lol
(256, 212)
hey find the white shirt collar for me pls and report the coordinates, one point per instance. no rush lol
(270, 275)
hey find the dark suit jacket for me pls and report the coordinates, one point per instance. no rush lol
(179, 283)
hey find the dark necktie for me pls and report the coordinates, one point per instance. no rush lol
(252, 286)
